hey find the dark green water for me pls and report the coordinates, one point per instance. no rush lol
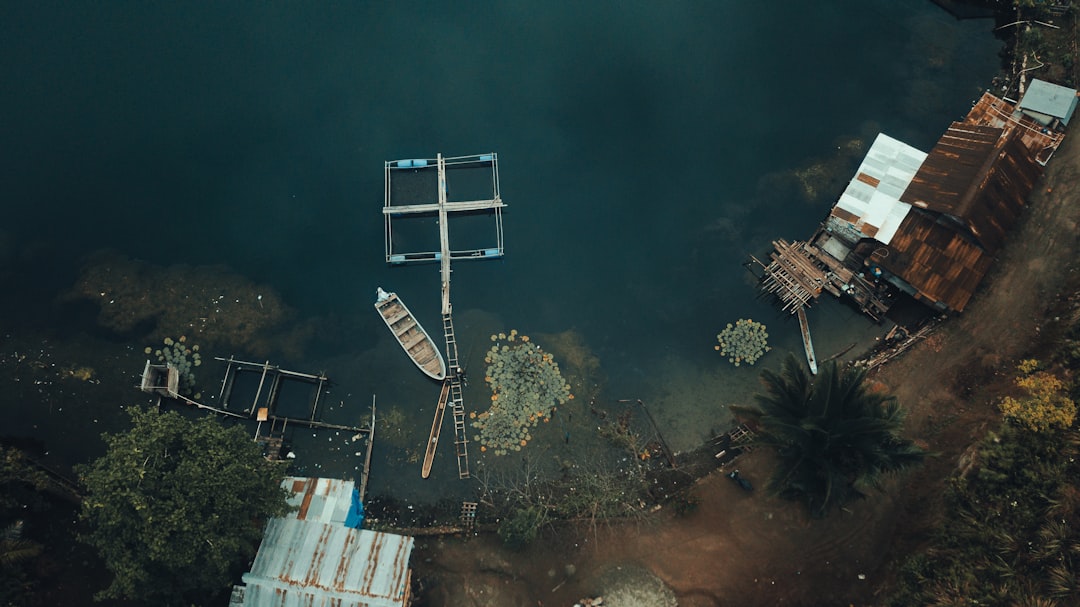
(645, 148)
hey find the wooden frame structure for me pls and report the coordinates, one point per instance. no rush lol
(398, 204)
(401, 202)
(164, 381)
(798, 272)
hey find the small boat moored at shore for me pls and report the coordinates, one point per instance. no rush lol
(413, 338)
(804, 326)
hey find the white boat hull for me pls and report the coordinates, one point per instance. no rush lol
(410, 335)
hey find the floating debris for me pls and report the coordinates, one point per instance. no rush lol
(526, 386)
(744, 342)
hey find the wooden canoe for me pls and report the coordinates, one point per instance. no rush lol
(413, 338)
(436, 429)
(804, 326)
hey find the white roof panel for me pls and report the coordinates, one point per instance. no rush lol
(873, 196)
(325, 500)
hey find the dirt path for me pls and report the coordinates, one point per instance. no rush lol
(749, 549)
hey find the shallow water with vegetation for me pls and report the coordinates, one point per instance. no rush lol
(230, 158)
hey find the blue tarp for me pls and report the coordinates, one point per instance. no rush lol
(355, 517)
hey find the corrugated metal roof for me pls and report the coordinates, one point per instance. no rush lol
(942, 264)
(871, 202)
(968, 195)
(991, 111)
(302, 563)
(1050, 100)
(324, 500)
(309, 558)
(978, 175)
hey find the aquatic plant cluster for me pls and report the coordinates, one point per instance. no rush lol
(526, 386)
(744, 342)
(176, 354)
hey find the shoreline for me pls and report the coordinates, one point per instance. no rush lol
(946, 381)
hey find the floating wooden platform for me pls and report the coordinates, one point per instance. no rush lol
(418, 187)
(793, 275)
(266, 385)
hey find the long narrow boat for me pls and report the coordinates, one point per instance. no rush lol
(412, 337)
(804, 326)
(436, 428)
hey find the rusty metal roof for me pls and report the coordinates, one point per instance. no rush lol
(980, 176)
(309, 558)
(967, 196)
(308, 564)
(940, 262)
(992, 111)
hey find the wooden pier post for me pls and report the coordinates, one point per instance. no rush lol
(367, 457)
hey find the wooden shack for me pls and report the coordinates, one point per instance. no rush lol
(925, 224)
(965, 199)
(1048, 104)
(1041, 142)
(869, 210)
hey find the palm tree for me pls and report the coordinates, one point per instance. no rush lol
(833, 437)
(13, 548)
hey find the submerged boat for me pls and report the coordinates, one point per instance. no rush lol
(413, 338)
(804, 326)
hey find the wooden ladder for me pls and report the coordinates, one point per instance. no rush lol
(451, 342)
(457, 404)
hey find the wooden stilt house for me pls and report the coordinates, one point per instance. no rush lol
(928, 225)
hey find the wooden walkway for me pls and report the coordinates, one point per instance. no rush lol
(793, 275)
(163, 380)
(798, 273)
(442, 208)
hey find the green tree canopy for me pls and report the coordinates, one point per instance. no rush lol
(833, 437)
(20, 483)
(20, 487)
(1010, 533)
(175, 504)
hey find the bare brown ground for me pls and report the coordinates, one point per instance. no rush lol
(751, 549)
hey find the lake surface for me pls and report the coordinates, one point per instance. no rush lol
(645, 149)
